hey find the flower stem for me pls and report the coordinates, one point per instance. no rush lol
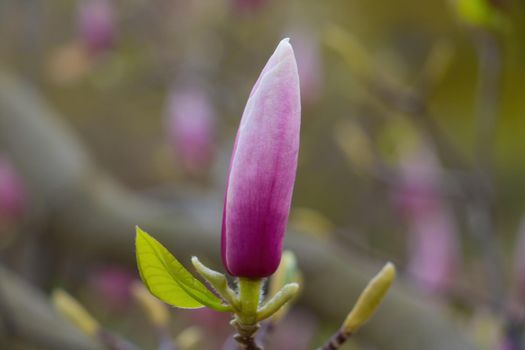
(249, 293)
(245, 321)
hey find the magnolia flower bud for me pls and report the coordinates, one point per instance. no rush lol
(262, 170)
(370, 299)
(96, 25)
(190, 123)
(12, 195)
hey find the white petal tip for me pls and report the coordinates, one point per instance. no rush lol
(284, 49)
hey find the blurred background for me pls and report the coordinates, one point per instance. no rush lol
(117, 113)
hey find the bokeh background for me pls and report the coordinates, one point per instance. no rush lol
(116, 113)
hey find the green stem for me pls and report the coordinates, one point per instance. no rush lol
(245, 321)
(249, 294)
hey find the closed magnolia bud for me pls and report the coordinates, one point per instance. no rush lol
(370, 299)
(262, 170)
(190, 123)
(12, 194)
(96, 25)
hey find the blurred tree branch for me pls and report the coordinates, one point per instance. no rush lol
(33, 324)
(90, 212)
(472, 180)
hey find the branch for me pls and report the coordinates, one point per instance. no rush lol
(33, 321)
(481, 210)
(92, 213)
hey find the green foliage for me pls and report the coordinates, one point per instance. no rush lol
(168, 280)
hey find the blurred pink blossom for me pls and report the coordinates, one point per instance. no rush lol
(112, 283)
(418, 192)
(216, 326)
(96, 25)
(506, 344)
(211, 320)
(433, 244)
(12, 194)
(520, 259)
(433, 249)
(190, 124)
(295, 332)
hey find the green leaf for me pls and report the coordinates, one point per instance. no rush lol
(168, 280)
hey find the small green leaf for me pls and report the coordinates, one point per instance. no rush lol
(168, 280)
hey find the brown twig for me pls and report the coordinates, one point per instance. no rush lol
(336, 341)
(246, 335)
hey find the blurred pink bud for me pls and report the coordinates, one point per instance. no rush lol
(520, 259)
(296, 332)
(248, 5)
(507, 344)
(262, 170)
(12, 194)
(309, 64)
(190, 120)
(433, 243)
(96, 25)
(112, 284)
(211, 320)
(434, 251)
(418, 191)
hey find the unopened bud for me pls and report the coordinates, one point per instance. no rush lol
(370, 299)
